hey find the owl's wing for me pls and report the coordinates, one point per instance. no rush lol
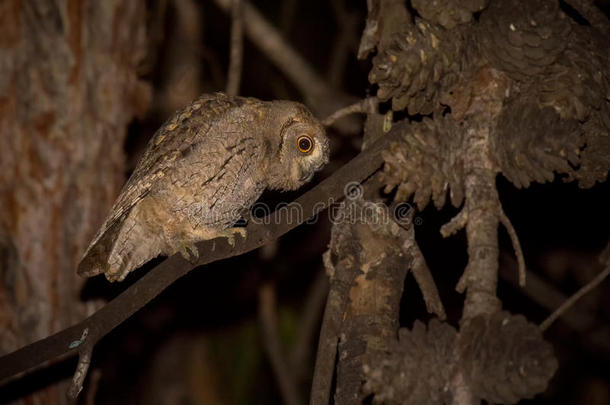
(217, 180)
(169, 144)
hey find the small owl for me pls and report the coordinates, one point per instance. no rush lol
(200, 172)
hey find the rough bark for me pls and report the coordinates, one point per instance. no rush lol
(68, 89)
(367, 246)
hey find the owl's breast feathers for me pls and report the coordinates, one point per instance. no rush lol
(200, 170)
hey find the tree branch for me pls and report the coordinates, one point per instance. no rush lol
(237, 48)
(84, 360)
(514, 238)
(580, 293)
(293, 65)
(589, 10)
(317, 93)
(309, 324)
(267, 314)
(159, 278)
(365, 106)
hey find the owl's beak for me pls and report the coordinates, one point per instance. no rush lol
(305, 177)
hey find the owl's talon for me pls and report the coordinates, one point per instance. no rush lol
(185, 254)
(190, 253)
(194, 251)
(231, 234)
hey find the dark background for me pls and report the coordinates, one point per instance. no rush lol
(200, 342)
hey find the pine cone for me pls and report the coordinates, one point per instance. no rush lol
(530, 144)
(505, 358)
(448, 13)
(579, 83)
(415, 66)
(426, 164)
(522, 38)
(416, 368)
(595, 156)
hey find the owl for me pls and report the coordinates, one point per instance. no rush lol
(201, 171)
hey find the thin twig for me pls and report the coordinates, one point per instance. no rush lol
(455, 224)
(324, 369)
(268, 319)
(84, 360)
(85, 349)
(424, 279)
(345, 42)
(318, 94)
(596, 332)
(266, 37)
(366, 106)
(309, 322)
(543, 293)
(589, 10)
(237, 48)
(516, 244)
(578, 295)
(164, 274)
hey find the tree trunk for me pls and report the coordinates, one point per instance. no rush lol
(68, 89)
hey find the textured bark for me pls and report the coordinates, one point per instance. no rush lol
(482, 205)
(68, 89)
(372, 252)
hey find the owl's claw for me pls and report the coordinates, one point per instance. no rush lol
(190, 253)
(231, 234)
(194, 251)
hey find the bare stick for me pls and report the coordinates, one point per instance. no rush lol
(309, 322)
(324, 369)
(159, 278)
(516, 244)
(317, 93)
(424, 279)
(543, 293)
(455, 224)
(345, 41)
(592, 13)
(237, 48)
(578, 295)
(366, 106)
(268, 318)
(266, 37)
(84, 360)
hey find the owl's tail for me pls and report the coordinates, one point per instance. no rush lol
(95, 259)
(125, 245)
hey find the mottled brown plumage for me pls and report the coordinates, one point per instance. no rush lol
(201, 170)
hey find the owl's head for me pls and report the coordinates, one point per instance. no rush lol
(302, 146)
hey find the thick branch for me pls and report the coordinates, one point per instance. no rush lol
(159, 278)
(482, 204)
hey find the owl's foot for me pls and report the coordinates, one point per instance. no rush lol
(231, 232)
(189, 252)
(113, 275)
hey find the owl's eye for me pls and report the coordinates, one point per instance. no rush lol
(305, 144)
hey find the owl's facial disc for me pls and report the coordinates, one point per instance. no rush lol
(303, 151)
